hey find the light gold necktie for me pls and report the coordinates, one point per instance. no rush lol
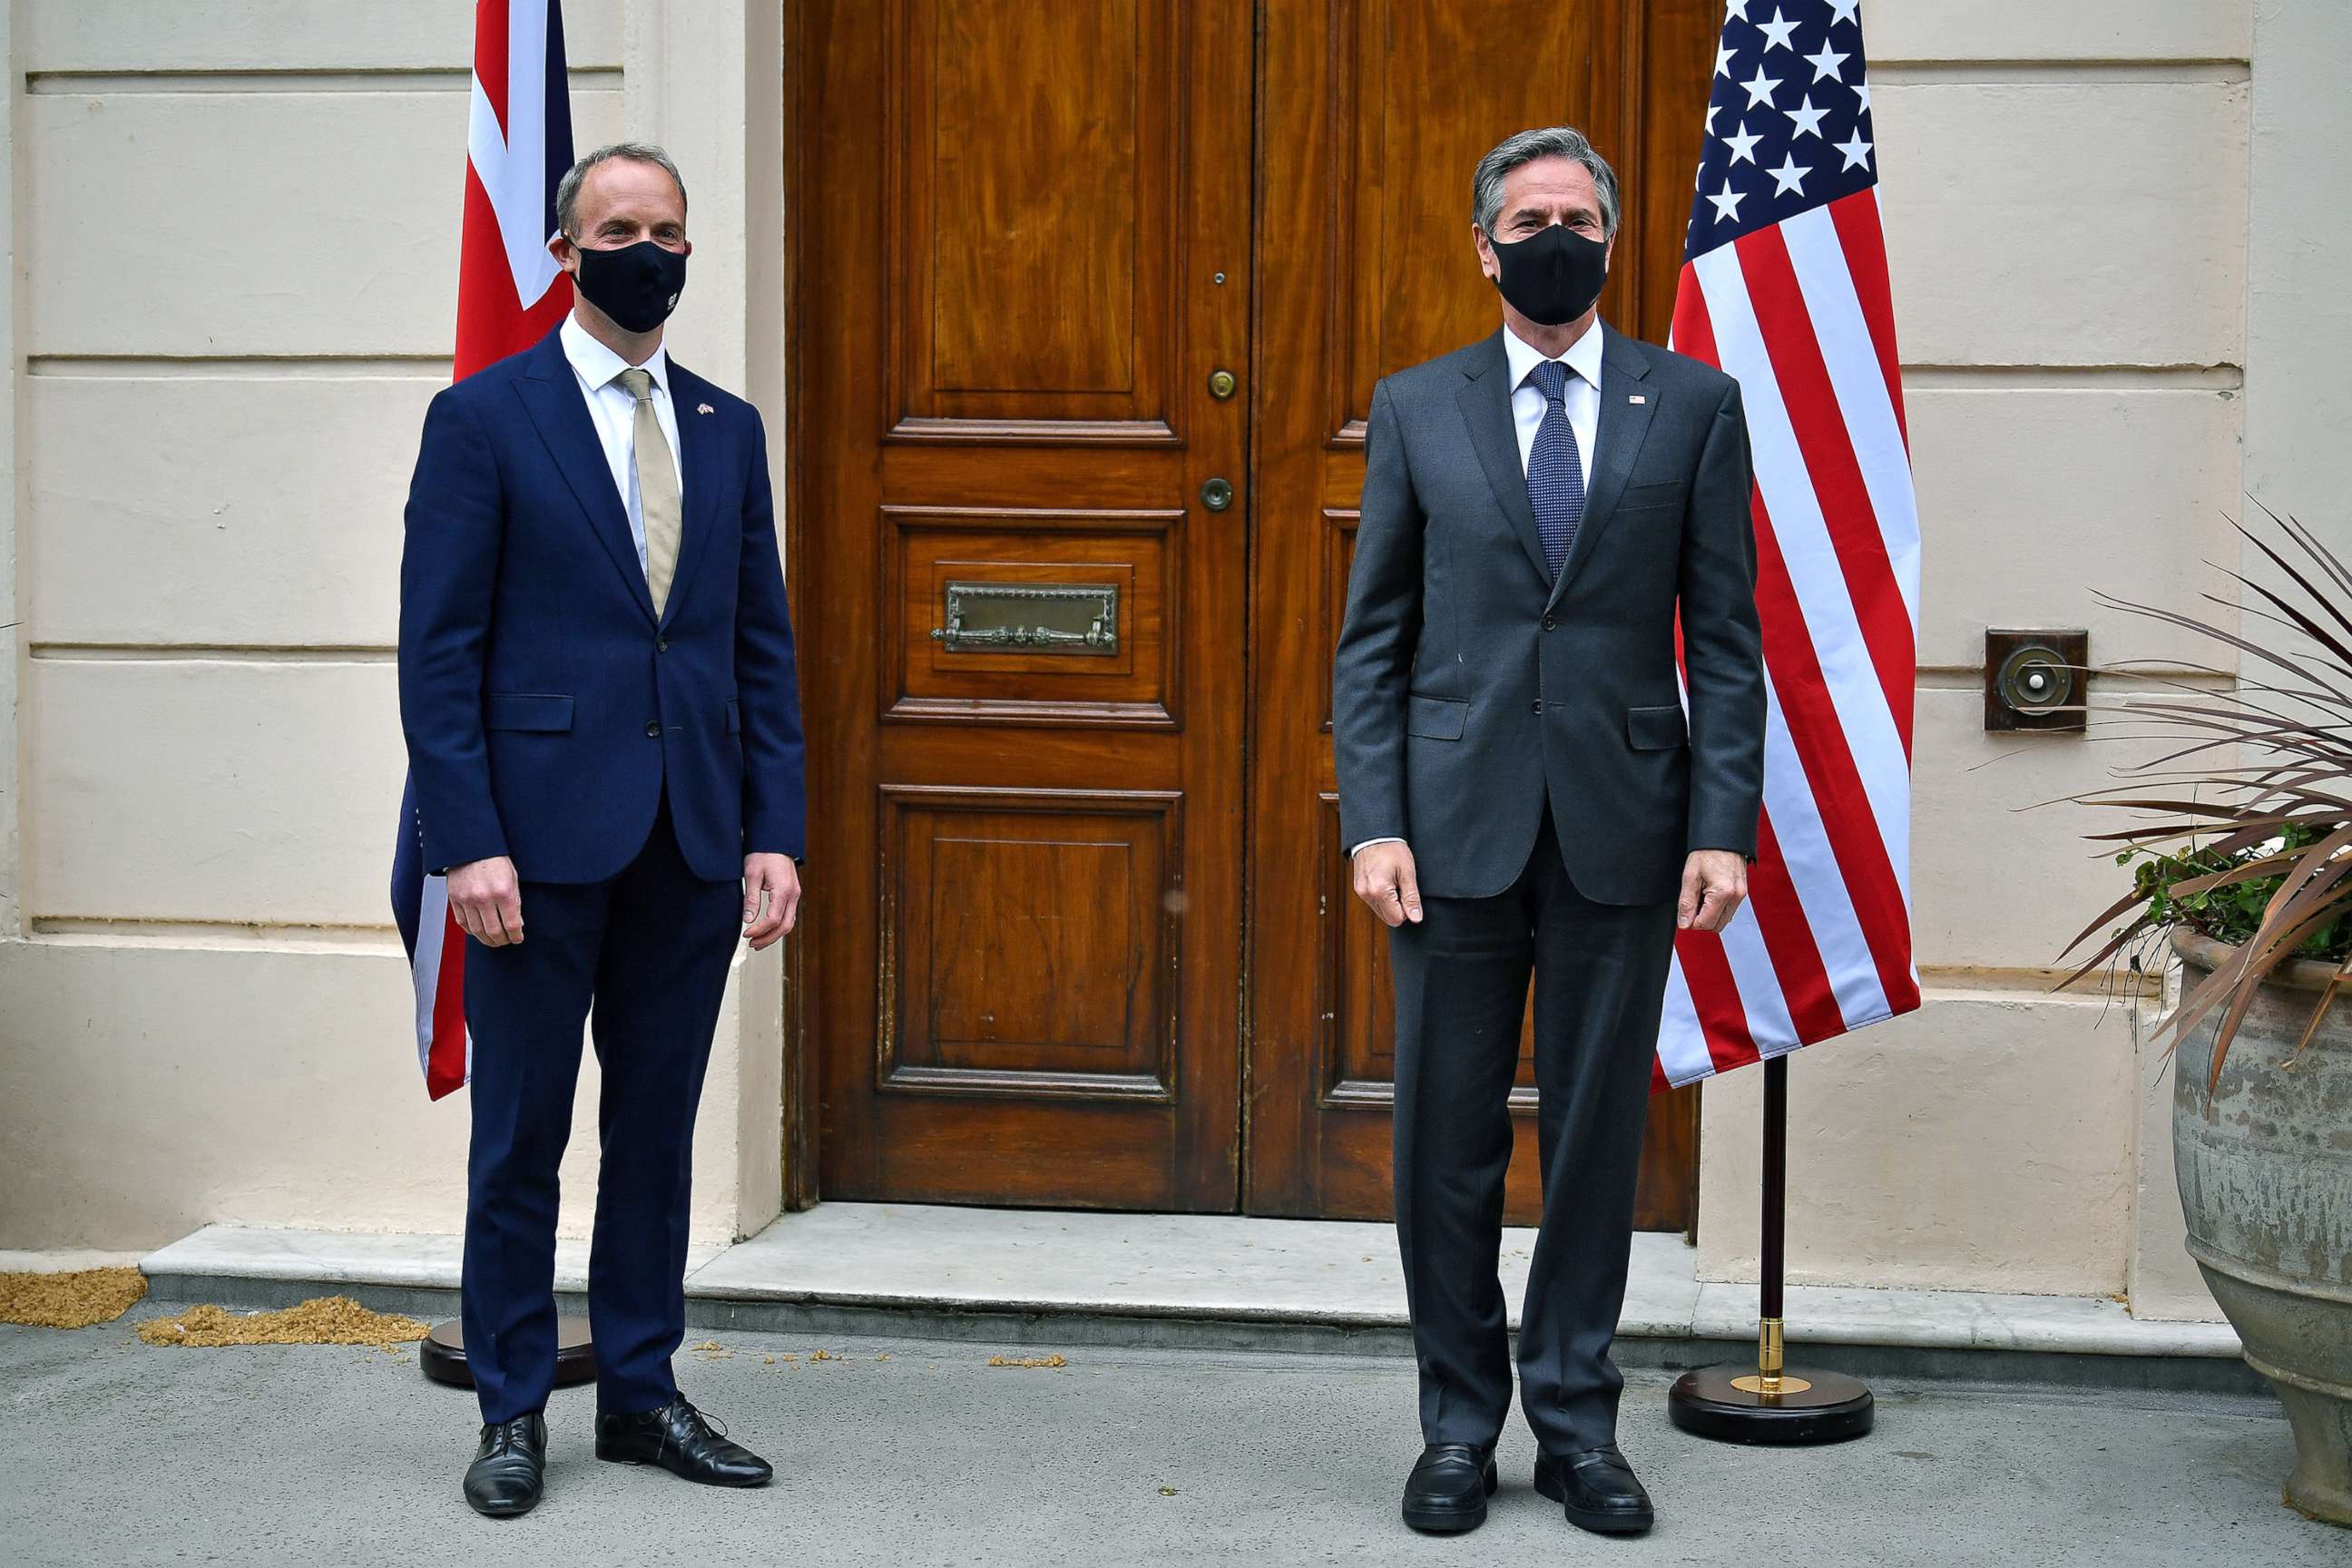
(656, 488)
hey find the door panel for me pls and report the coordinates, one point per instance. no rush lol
(1424, 88)
(1021, 247)
(1030, 941)
(1033, 176)
(1374, 113)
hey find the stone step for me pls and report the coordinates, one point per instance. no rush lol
(1225, 1282)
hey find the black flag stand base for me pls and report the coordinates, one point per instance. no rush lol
(1770, 1402)
(443, 1354)
(1803, 1406)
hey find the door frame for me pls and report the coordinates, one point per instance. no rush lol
(799, 1084)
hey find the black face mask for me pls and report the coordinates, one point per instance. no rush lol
(637, 284)
(1553, 276)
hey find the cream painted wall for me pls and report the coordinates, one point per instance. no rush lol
(234, 295)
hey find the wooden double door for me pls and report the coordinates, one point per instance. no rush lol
(1088, 300)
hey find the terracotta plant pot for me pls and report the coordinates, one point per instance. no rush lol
(2265, 1170)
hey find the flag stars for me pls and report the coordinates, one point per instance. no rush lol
(1789, 177)
(1720, 212)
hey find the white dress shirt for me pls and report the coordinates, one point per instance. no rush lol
(1582, 396)
(614, 412)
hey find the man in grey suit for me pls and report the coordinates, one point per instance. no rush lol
(1522, 794)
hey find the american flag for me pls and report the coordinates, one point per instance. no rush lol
(510, 294)
(1784, 286)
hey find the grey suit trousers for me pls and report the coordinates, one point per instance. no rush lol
(1460, 975)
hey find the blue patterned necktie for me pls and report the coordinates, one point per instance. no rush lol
(1555, 468)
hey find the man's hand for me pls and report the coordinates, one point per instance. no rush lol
(487, 900)
(774, 880)
(1714, 884)
(1385, 880)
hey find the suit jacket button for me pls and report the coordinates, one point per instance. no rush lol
(653, 728)
(1548, 623)
(661, 645)
(1538, 707)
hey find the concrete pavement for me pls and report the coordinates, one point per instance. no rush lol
(912, 1452)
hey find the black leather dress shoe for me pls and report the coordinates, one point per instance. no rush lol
(679, 1438)
(510, 1468)
(1598, 1489)
(1448, 1488)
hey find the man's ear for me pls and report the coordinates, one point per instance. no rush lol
(1487, 262)
(560, 247)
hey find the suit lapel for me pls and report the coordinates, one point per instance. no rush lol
(1486, 400)
(551, 393)
(1616, 442)
(698, 457)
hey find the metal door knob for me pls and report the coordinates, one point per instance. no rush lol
(1221, 384)
(1216, 495)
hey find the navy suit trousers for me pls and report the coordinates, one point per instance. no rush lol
(650, 948)
(1599, 972)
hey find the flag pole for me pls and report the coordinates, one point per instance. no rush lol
(1770, 1402)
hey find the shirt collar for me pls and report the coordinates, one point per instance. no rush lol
(597, 365)
(1584, 356)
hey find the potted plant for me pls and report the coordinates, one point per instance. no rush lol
(2241, 854)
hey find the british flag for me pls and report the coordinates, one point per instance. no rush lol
(510, 294)
(1784, 286)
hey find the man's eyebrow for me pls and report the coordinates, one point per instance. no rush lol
(1565, 209)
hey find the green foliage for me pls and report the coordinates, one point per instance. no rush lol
(2233, 912)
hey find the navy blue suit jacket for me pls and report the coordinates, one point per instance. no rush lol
(544, 703)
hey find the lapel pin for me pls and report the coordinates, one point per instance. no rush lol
(704, 408)
(1635, 397)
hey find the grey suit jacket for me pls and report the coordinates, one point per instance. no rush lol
(1469, 687)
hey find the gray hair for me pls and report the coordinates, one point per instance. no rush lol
(567, 190)
(1549, 142)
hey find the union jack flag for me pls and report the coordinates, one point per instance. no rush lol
(1784, 286)
(510, 294)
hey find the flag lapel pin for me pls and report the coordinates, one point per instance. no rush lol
(1635, 397)
(704, 408)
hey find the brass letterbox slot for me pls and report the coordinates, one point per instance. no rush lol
(1030, 617)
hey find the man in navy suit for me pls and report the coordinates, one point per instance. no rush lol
(597, 688)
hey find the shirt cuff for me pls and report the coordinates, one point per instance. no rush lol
(1367, 843)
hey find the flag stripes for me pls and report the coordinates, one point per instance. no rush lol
(1864, 244)
(1784, 286)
